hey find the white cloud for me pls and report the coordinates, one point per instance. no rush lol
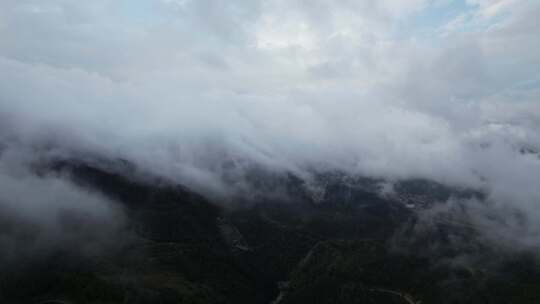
(289, 84)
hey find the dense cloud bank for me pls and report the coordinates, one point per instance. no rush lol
(195, 90)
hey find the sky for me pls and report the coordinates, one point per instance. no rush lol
(438, 89)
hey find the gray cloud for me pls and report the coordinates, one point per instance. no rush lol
(41, 215)
(178, 86)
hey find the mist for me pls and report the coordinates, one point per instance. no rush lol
(42, 215)
(386, 89)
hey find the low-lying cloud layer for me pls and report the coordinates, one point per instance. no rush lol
(446, 90)
(41, 215)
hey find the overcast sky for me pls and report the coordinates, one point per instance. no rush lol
(441, 89)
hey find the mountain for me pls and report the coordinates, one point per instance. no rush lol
(333, 238)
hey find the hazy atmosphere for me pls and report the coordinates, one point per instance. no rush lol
(196, 91)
